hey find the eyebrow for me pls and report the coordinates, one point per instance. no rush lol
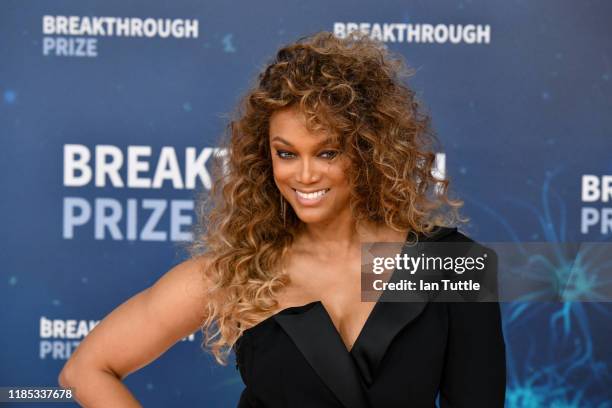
(280, 139)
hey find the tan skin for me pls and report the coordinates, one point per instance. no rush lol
(323, 263)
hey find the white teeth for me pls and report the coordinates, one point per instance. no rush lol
(311, 196)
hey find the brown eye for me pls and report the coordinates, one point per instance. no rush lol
(284, 154)
(329, 154)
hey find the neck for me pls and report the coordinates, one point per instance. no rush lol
(342, 235)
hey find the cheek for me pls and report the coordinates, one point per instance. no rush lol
(280, 171)
(338, 175)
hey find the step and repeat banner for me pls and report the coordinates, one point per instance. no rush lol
(110, 113)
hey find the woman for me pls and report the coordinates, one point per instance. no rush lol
(329, 150)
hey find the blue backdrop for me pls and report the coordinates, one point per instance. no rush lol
(522, 110)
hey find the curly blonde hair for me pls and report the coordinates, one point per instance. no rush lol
(353, 89)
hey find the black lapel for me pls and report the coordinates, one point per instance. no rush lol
(312, 331)
(386, 321)
(314, 334)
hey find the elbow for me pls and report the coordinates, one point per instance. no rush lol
(65, 377)
(70, 374)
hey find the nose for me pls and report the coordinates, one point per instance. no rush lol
(308, 172)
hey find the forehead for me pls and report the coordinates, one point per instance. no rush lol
(290, 125)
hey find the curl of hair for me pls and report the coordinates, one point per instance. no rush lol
(353, 89)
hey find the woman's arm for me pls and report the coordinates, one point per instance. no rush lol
(134, 334)
(475, 369)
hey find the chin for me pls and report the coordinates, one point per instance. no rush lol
(312, 218)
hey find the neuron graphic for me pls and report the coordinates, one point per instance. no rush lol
(551, 358)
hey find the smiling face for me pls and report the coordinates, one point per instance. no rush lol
(309, 170)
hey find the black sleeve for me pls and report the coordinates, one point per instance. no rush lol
(475, 362)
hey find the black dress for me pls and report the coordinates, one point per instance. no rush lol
(406, 354)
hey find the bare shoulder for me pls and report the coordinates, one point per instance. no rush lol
(184, 288)
(189, 276)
